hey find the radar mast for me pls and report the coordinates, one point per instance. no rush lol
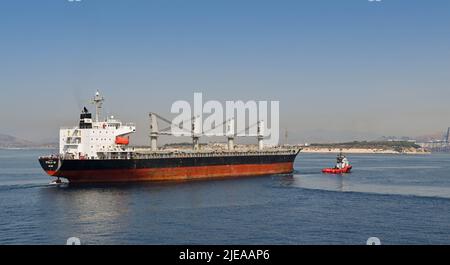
(98, 101)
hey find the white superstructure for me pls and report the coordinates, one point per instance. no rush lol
(93, 137)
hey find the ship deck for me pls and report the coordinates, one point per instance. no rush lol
(146, 153)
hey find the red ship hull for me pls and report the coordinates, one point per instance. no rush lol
(173, 174)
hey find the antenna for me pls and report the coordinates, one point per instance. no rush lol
(98, 101)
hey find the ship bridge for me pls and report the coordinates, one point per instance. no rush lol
(91, 137)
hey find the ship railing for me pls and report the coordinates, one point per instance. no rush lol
(115, 155)
(49, 156)
(160, 154)
(174, 154)
(67, 156)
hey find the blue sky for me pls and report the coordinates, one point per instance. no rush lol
(342, 70)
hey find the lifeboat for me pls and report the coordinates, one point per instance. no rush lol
(122, 140)
(337, 170)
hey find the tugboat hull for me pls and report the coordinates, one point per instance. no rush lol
(337, 170)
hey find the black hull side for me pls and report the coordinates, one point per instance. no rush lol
(168, 168)
(120, 164)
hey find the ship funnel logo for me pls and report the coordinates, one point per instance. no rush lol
(229, 118)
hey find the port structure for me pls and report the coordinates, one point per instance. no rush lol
(442, 145)
(447, 135)
(196, 131)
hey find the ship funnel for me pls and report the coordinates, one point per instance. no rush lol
(153, 132)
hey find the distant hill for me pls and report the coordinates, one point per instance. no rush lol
(8, 141)
(367, 147)
(431, 137)
(371, 144)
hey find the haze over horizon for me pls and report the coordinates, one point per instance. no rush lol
(342, 70)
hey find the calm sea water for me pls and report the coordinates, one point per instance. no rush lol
(399, 199)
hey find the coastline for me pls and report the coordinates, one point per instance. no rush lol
(29, 148)
(323, 150)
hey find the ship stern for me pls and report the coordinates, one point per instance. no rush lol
(50, 164)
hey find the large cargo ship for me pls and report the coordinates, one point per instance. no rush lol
(98, 151)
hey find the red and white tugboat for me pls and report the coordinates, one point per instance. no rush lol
(342, 166)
